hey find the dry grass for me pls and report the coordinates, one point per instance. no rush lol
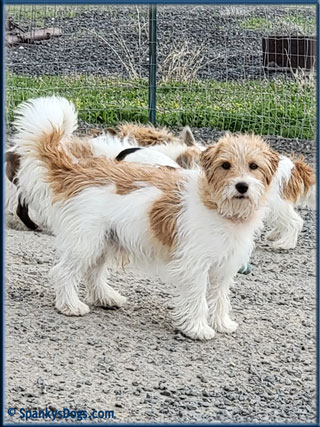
(183, 63)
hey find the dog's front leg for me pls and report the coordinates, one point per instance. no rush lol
(219, 302)
(190, 306)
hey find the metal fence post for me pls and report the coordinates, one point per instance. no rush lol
(152, 63)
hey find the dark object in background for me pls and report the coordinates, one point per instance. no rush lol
(285, 53)
(33, 36)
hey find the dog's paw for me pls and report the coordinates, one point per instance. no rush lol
(284, 244)
(205, 333)
(227, 326)
(199, 332)
(79, 310)
(112, 298)
(117, 300)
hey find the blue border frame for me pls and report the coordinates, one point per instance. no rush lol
(163, 2)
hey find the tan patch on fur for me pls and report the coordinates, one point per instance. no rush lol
(206, 195)
(163, 217)
(67, 178)
(302, 178)
(146, 135)
(79, 149)
(190, 158)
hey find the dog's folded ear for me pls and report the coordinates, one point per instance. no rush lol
(207, 160)
(95, 132)
(111, 131)
(187, 137)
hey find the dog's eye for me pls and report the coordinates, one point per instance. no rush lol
(226, 165)
(253, 166)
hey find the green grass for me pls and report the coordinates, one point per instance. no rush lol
(294, 21)
(280, 107)
(256, 23)
(301, 21)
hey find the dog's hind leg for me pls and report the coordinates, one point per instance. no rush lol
(78, 252)
(219, 303)
(287, 225)
(66, 276)
(99, 292)
(190, 305)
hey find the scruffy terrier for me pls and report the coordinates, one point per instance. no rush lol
(192, 227)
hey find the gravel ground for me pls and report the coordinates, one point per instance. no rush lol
(105, 40)
(132, 361)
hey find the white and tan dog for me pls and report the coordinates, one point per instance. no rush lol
(194, 227)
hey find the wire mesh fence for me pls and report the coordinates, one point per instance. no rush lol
(217, 66)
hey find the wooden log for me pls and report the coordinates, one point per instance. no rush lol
(33, 36)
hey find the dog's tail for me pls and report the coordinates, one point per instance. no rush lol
(53, 166)
(301, 186)
(38, 120)
(43, 125)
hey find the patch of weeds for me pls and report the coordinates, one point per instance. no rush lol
(279, 107)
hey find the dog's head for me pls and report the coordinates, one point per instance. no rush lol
(238, 172)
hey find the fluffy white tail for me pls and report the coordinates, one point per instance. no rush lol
(41, 116)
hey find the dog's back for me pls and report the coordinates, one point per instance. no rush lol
(301, 187)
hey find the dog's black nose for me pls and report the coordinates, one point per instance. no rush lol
(242, 187)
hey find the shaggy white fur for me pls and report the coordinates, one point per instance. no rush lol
(98, 228)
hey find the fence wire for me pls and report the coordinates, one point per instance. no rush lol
(237, 68)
